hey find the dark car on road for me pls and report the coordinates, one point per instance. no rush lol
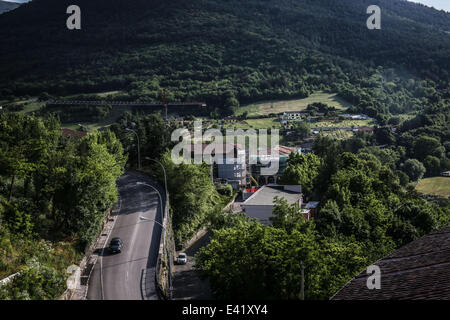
(115, 246)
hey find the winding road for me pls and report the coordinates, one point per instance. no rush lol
(130, 275)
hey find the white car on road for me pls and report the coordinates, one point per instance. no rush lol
(182, 258)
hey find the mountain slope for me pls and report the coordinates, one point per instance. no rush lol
(220, 51)
(7, 6)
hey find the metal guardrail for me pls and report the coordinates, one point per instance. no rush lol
(159, 274)
(8, 279)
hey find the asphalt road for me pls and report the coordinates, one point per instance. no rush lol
(130, 275)
(187, 283)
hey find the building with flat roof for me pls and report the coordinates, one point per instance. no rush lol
(260, 205)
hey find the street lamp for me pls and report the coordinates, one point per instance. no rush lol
(159, 194)
(165, 175)
(139, 147)
(82, 127)
(164, 240)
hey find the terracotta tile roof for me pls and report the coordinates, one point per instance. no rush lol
(419, 270)
(366, 129)
(69, 133)
(285, 150)
(280, 150)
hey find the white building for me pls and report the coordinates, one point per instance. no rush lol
(292, 115)
(356, 116)
(229, 162)
(260, 205)
(446, 174)
(234, 169)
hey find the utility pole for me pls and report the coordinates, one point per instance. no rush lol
(164, 101)
(212, 172)
(165, 175)
(302, 284)
(138, 146)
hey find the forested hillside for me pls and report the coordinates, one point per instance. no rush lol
(229, 52)
(7, 6)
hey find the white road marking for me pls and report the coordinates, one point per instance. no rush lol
(103, 249)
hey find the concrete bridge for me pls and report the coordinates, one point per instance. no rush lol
(122, 103)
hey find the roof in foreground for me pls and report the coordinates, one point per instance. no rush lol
(417, 271)
(266, 196)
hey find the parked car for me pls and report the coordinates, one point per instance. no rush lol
(115, 246)
(182, 258)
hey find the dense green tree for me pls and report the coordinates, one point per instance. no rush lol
(403, 177)
(302, 129)
(303, 169)
(64, 187)
(427, 146)
(270, 259)
(387, 157)
(192, 196)
(89, 188)
(35, 282)
(414, 169)
(287, 217)
(25, 142)
(384, 136)
(432, 165)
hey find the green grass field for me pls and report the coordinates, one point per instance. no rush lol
(338, 134)
(263, 123)
(115, 113)
(30, 105)
(436, 186)
(278, 106)
(103, 94)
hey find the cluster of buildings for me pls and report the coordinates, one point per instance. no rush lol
(298, 115)
(239, 168)
(290, 116)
